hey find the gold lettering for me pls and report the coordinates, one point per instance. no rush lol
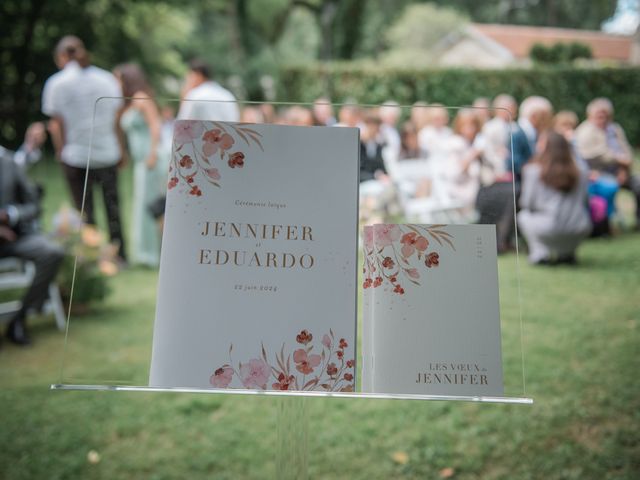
(204, 257)
(218, 229)
(234, 228)
(286, 256)
(255, 259)
(235, 258)
(292, 231)
(271, 257)
(226, 257)
(275, 231)
(306, 231)
(483, 380)
(206, 229)
(252, 229)
(310, 262)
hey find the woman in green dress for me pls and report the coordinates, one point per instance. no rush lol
(140, 123)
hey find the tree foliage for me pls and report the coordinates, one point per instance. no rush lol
(419, 28)
(244, 40)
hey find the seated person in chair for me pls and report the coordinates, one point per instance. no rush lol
(19, 210)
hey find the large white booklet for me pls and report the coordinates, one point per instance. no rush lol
(431, 319)
(257, 284)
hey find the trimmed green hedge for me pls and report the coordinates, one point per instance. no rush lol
(567, 88)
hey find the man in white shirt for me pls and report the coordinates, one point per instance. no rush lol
(83, 102)
(204, 99)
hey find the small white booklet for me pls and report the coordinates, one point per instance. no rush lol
(257, 285)
(431, 317)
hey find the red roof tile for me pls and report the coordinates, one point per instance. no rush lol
(519, 39)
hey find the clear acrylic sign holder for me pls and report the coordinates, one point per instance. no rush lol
(125, 356)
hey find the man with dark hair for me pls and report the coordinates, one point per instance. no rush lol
(83, 130)
(19, 209)
(205, 99)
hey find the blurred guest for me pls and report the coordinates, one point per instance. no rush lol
(323, 112)
(603, 145)
(29, 152)
(268, 113)
(251, 114)
(482, 108)
(434, 136)
(565, 123)
(420, 115)
(497, 138)
(205, 99)
(495, 201)
(349, 115)
(462, 167)
(553, 216)
(376, 189)
(603, 187)
(298, 116)
(389, 113)
(409, 147)
(168, 116)
(535, 117)
(140, 121)
(82, 101)
(371, 159)
(19, 209)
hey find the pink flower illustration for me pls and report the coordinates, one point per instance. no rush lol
(214, 141)
(432, 260)
(222, 377)
(386, 234)
(284, 382)
(236, 160)
(202, 146)
(304, 337)
(186, 131)
(186, 161)
(334, 375)
(388, 262)
(213, 173)
(255, 374)
(305, 363)
(413, 272)
(394, 254)
(411, 242)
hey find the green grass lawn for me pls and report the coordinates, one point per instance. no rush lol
(581, 358)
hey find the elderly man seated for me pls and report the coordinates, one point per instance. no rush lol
(19, 209)
(604, 146)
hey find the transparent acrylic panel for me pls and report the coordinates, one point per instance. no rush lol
(413, 193)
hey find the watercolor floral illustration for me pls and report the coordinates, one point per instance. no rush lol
(318, 366)
(202, 150)
(395, 254)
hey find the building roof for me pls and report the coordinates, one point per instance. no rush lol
(519, 39)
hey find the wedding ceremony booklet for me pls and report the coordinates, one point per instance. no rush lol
(431, 318)
(257, 283)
